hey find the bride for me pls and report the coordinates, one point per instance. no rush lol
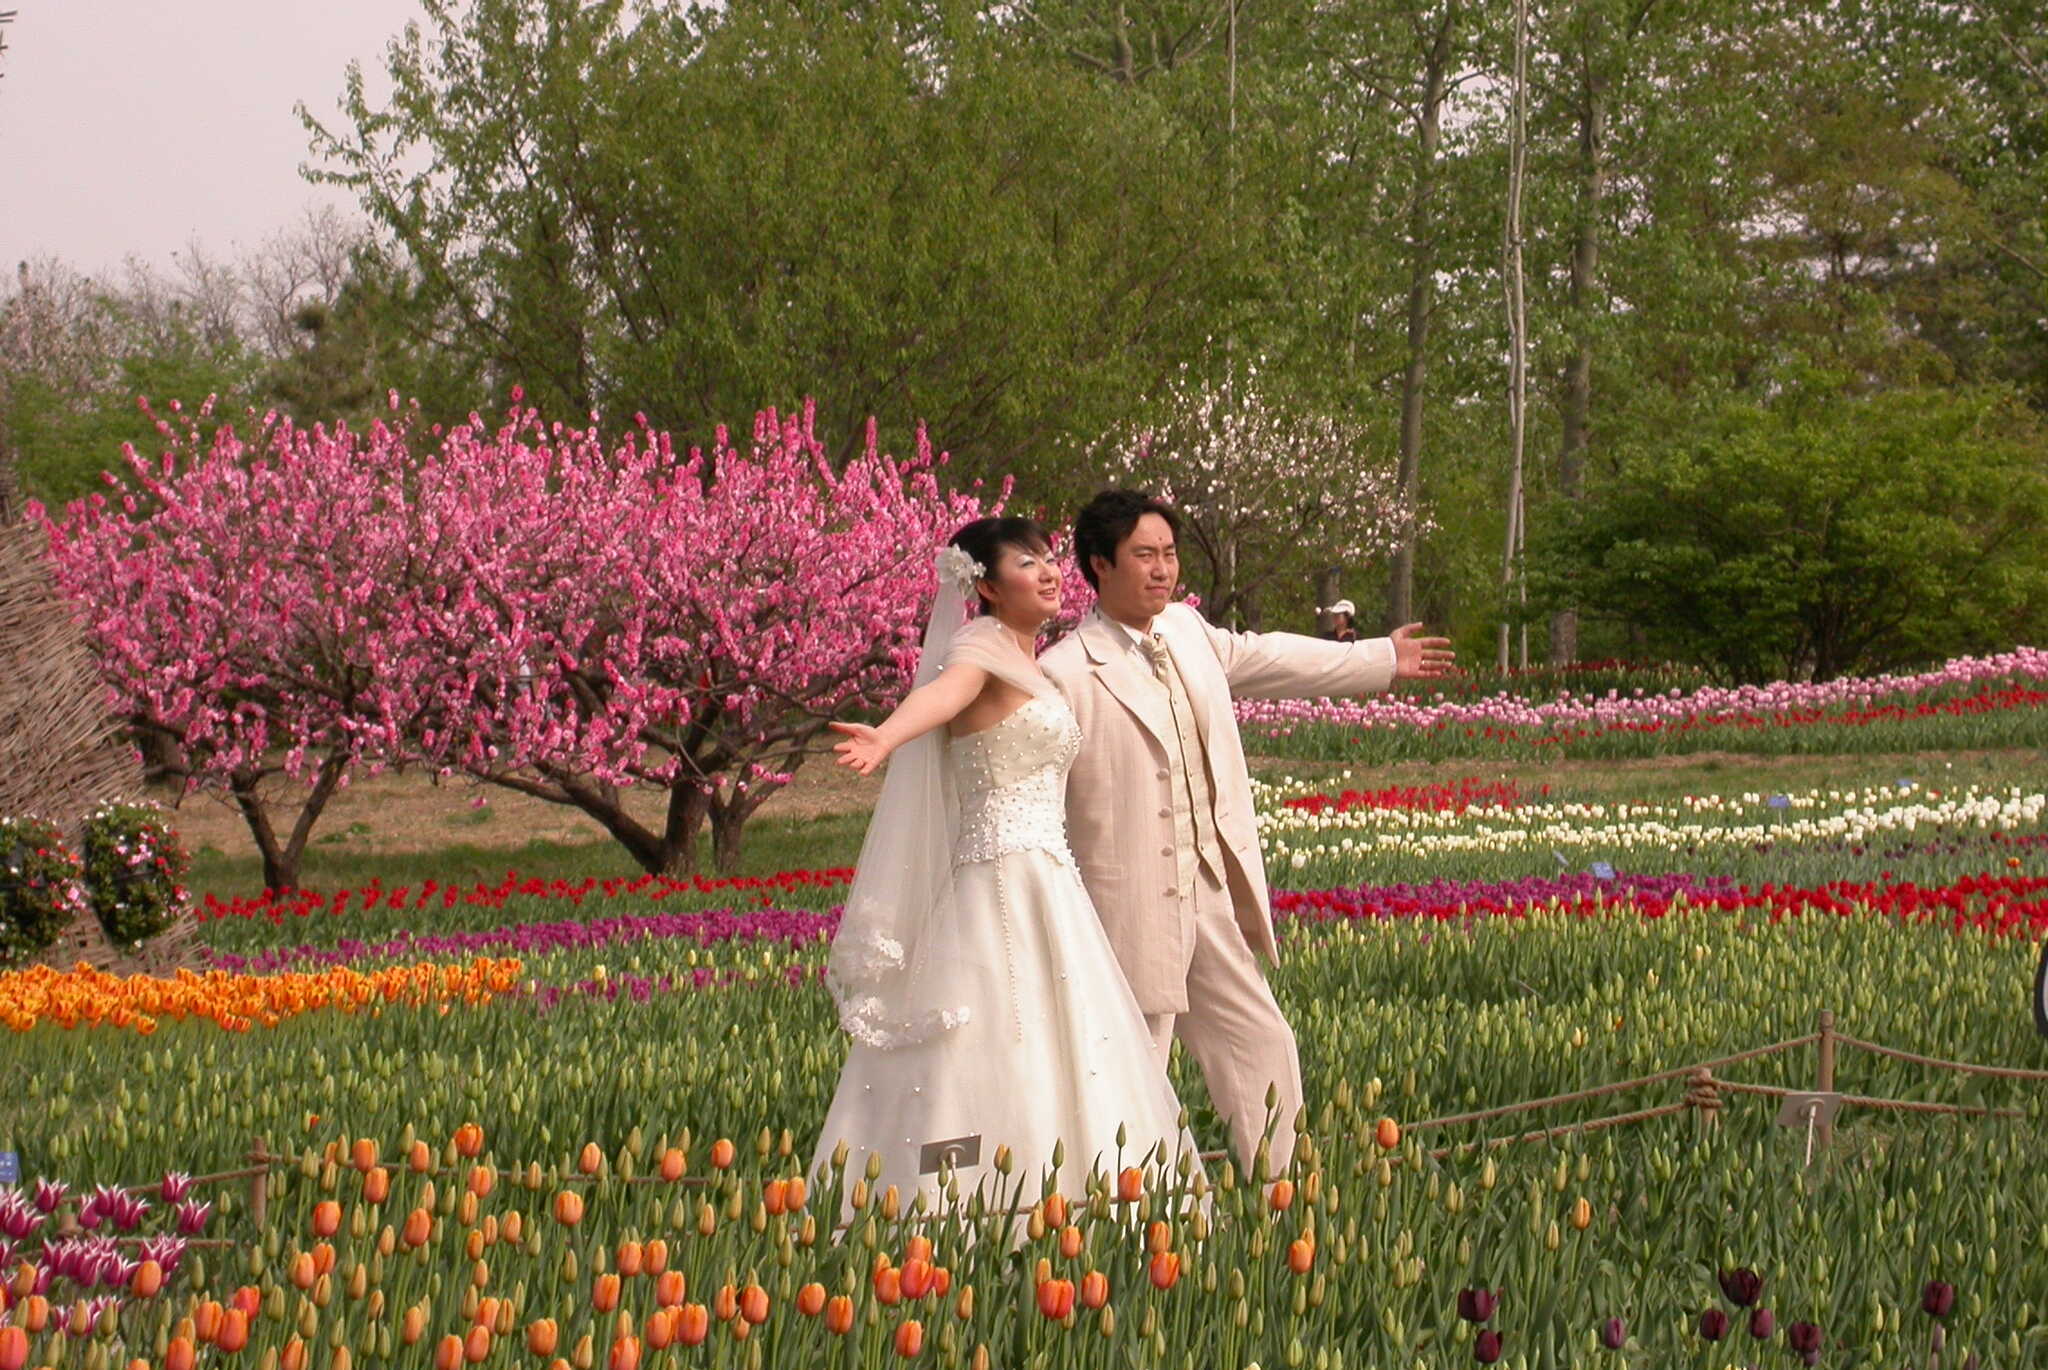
(984, 1003)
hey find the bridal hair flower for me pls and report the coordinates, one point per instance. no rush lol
(959, 570)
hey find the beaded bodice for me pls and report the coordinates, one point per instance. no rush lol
(1011, 781)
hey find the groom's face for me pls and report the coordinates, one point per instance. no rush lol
(1138, 585)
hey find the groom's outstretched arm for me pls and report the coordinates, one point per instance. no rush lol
(1294, 666)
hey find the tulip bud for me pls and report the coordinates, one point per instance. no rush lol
(1614, 1334)
(1477, 1305)
(1486, 1347)
(1742, 1286)
(1937, 1299)
(1713, 1325)
(1762, 1325)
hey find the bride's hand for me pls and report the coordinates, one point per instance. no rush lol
(863, 748)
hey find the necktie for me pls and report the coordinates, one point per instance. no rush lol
(1155, 652)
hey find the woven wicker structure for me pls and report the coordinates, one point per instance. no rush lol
(60, 749)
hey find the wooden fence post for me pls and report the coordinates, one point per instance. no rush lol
(1825, 1132)
(259, 1185)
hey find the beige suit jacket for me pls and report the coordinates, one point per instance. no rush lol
(1120, 783)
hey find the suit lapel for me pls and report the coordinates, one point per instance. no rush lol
(1117, 667)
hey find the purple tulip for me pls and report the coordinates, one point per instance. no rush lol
(49, 1195)
(175, 1186)
(1486, 1346)
(1805, 1338)
(1762, 1324)
(1742, 1286)
(1477, 1305)
(1614, 1334)
(1937, 1298)
(1713, 1324)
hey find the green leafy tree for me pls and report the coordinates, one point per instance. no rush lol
(1823, 533)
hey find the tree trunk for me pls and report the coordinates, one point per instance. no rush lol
(672, 851)
(1421, 282)
(1578, 387)
(281, 858)
(1326, 593)
(728, 826)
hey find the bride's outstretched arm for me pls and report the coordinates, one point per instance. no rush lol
(931, 705)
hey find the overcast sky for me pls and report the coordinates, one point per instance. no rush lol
(136, 126)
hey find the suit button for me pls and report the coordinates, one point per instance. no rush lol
(1171, 893)
(1166, 851)
(1166, 813)
(1166, 775)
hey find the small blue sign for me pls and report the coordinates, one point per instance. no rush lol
(10, 1167)
(1602, 871)
(1779, 801)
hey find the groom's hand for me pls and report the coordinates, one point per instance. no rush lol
(863, 748)
(1421, 658)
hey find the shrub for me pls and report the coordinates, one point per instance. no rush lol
(41, 886)
(134, 871)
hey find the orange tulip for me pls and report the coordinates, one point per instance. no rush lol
(568, 1207)
(963, 1307)
(591, 1160)
(672, 1162)
(722, 1153)
(206, 1320)
(486, 1312)
(13, 1348)
(448, 1353)
(725, 1304)
(482, 1180)
(1094, 1289)
(24, 1281)
(302, 1272)
(234, 1331)
(1387, 1134)
(363, 1155)
(775, 1197)
(413, 1326)
(149, 1278)
(541, 1336)
(1582, 1214)
(1301, 1254)
(693, 1324)
(1281, 1196)
(326, 1218)
(754, 1304)
(654, 1255)
(477, 1345)
(628, 1261)
(323, 1258)
(249, 1299)
(659, 1329)
(295, 1356)
(839, 1315)
(473, 1244)
(889, 1286)
(1158, 1237)
(910, 1338)
(1070, 1241)
(35, 1312)
(604, 1294)
(419, 1226)
(669, 1288)
(916, 1277)
(810, 1301)
(1165, 1269)
(625, 1354)
(420, 1159)
(796, 1194)
(469, 1141)
(465, 1212)
(1130, 1185)
(1056, 1298)
(942, 1280)
(376, 1185)
(1056, 1210)
(180, 1354)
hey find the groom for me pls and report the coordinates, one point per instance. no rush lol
(1159, 804)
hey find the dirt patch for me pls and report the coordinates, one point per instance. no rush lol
(415, 812)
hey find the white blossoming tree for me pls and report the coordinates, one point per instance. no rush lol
(1256, 480)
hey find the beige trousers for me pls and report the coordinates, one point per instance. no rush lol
(1235, 1030)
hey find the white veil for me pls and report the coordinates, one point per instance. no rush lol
(876, 968)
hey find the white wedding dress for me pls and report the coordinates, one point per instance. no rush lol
(1043, 1041)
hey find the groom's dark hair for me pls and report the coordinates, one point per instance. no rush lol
(1105, 521)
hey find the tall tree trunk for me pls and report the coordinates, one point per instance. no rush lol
(1421, 282)
(1578, 385)
(282, 856)
(1326, 593)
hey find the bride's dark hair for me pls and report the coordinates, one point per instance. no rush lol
(985, 539)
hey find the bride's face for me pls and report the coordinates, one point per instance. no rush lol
(1024, 587)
